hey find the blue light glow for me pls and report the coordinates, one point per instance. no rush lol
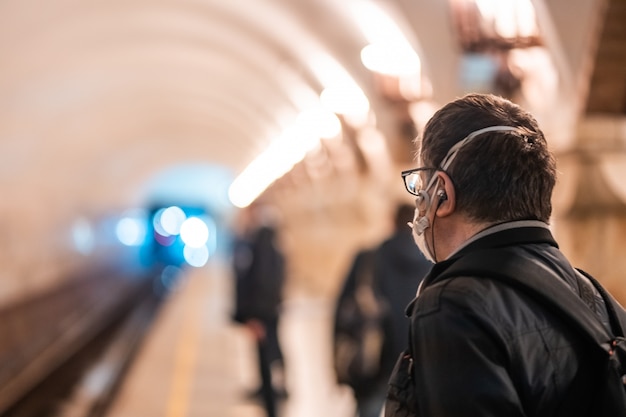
(194, 232)
(131, 231)
(196, 257)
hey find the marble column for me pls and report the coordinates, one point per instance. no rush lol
(590, 201)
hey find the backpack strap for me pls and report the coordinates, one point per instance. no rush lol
(543, 284)
(617, 316)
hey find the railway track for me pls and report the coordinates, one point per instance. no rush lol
(77, 372)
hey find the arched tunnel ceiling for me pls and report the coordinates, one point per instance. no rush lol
(86, 86)
(97, 97)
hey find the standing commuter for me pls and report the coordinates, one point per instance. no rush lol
(260, 273)
(480, 346)
(396, 267)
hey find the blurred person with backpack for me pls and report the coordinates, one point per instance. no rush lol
(370, 324)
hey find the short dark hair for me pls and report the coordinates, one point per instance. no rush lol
(500, 175)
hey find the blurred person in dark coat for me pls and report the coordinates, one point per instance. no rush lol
(399, 269)
(259, 267)
(396, 268)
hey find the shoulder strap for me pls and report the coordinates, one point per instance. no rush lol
(617, 315)
(543, 284)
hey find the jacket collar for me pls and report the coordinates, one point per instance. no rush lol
(496, 236)
(507, 234)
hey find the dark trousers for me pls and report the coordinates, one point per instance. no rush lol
(267, 390)
(269, 352)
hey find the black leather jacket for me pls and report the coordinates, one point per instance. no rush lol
(482, 348)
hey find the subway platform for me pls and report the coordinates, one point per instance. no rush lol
(195, 362)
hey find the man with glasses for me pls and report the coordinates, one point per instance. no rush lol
(478, 346)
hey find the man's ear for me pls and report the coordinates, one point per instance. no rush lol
(445, 195)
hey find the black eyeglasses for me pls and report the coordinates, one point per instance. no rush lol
(413, 181)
